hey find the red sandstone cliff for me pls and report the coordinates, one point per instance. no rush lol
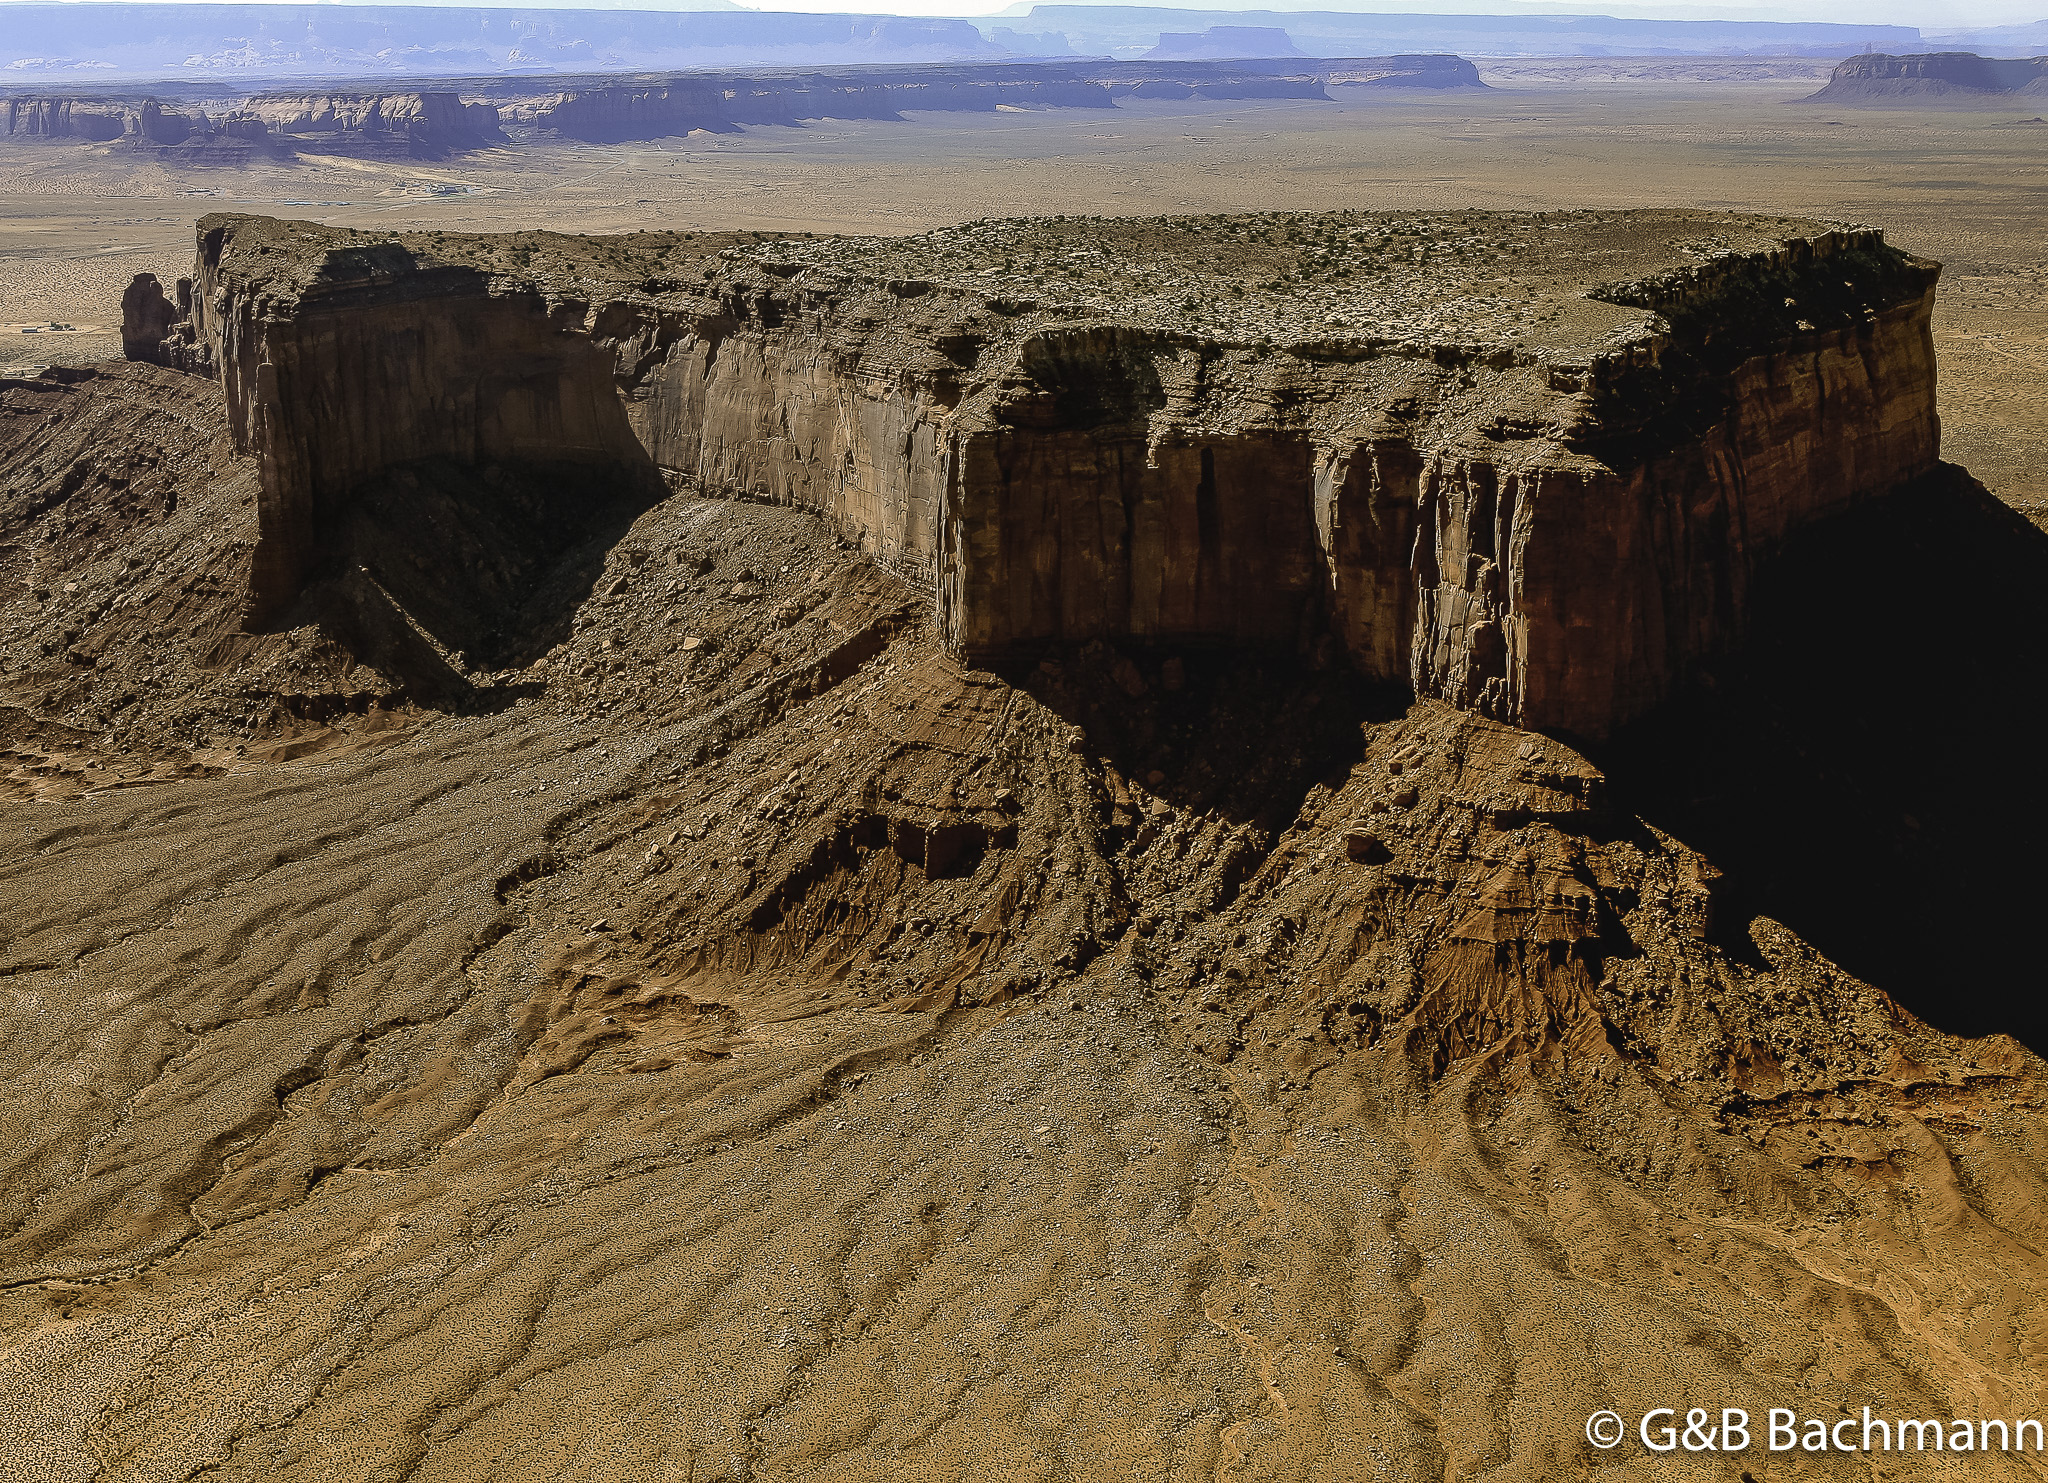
(1540, 501)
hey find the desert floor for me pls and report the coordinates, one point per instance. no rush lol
(564, 1064)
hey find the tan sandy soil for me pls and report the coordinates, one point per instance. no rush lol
(724, 1039)
(704, 1033)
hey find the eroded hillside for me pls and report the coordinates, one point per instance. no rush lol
(597, 991)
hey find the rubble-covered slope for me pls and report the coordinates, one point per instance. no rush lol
(720, 1034)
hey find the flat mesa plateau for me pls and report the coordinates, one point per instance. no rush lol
(1548, 134)
(843, 836)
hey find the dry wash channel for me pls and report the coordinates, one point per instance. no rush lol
(558, 975)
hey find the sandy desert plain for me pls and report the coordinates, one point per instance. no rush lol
(546, 1039)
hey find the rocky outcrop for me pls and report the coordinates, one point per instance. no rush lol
(96, 119)
(361, 125)
(374, 359)
(720, 102)
(430, 124)
(146, 317)
(1196, 1057)
(1877, 78)
(1440, 70)
(615, 112)
(1528, 464)
(140, 125)
(1224, 41)
(1218, 81)
(422, 125)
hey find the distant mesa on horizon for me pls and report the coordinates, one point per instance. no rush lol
(216, 125)
(112, 38)
(389, 126)
(48, 41)
(1942, 78)
(1134, 31)
(1221, 42)
(1032, 44)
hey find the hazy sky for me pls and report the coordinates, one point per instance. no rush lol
(1929, 15)
(1937, 16)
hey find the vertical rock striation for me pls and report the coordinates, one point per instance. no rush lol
(363, 358)
(421, 124)
(415, 125)
(1527, 464)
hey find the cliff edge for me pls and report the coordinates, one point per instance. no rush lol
(359, 125)
(1528, 464)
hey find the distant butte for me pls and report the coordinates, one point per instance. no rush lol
(1528, 464)
(197, 125)
(1933, 78)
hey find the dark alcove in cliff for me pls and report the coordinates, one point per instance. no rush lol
(1867, 769)
(436, 567)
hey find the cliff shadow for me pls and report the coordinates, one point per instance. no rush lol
(1866, 768)
(436, 569)
(1243, 730)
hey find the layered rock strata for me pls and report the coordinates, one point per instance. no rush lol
(417, 125)
(1875, 77)
(1527, 464)
(142, 126)
(227, 126)
(362, 125)
(97, 119)
(612, 111)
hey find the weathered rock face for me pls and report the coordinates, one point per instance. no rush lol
(374, 360)
(1305, 1071)
(422, 125)
(430, 124)
(1413, 70)
(96, 119)
(146, 318)
(724, 100)
(410, 125)
(143, 125)
(1526, 464)
(1875, 77)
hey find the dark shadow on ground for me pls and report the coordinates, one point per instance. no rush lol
(1243, 732)
(436, 570)
(1868, 770)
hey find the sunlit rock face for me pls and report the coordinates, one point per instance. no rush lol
(1527, 464)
